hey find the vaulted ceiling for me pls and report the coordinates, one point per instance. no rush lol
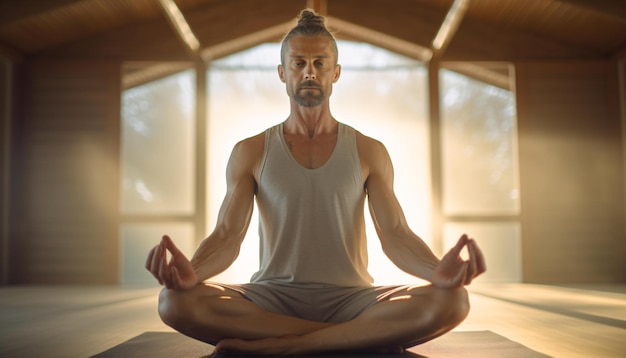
(139, 30)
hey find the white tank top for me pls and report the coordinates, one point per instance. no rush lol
(311, 223)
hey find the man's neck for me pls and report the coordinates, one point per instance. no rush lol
(310, 122)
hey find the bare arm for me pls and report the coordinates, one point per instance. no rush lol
(218, 251)
(401, 245)
(405, 249)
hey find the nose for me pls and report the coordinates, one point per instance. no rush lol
(309, 73)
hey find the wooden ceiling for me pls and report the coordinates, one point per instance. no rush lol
(138, 30)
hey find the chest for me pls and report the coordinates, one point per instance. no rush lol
(311, 153)
(309, 176)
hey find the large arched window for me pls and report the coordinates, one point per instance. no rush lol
(380, 93)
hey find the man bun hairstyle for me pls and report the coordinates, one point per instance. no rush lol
(309, 24)
(308, 20)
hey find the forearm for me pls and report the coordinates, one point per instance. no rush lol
(214, 256)
(410, 253)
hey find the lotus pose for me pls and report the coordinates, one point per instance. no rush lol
(311, 176)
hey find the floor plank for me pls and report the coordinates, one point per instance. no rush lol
(547, 318)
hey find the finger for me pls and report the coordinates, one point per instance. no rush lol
(165, 280)
(164, 272)
(481, 266)
(456, 250)
(149, 262)
(168, 243)
(154, 263)
(151, 254)
(460, 277)
(155, 258)
(175, 278)
(471, 263)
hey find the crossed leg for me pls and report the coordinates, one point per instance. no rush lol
(213, 314)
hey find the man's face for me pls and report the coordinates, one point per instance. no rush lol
(309, 69)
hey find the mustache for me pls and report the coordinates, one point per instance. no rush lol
(309, 83)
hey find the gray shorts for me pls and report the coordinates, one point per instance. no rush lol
(314, 302)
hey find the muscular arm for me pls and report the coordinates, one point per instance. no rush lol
(220, 249)
(403, 247)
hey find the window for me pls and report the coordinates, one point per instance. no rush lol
(158, 171)
(381, 94)
(480, 170)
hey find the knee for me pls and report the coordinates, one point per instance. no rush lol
(174, 307)
(451, 306)
(199, 306)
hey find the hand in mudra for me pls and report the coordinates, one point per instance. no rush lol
(453, 271)
(178, 273)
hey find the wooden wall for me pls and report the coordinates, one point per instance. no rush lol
(67, 193)
(571, 172)
(6, 83)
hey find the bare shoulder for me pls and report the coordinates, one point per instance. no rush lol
(252, 144)
(372, 152)
(247, 153)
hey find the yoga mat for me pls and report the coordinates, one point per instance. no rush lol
(479, 344)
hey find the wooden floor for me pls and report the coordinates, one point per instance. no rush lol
(82, 321)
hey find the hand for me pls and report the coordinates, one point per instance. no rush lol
(178, 274)
(453, 271)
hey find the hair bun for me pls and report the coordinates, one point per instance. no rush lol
(309, 24)
(309, 18)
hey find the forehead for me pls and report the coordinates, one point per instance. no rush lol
(316, 46)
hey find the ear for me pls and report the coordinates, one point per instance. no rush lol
(281, 73)
(337, 73)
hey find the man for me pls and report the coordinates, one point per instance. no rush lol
(310, 176)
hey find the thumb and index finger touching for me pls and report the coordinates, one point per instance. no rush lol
(460, 244)
(168, 244)
(476, 256)
(476, 262)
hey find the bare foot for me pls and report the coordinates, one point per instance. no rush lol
(283, 346)
(268, 346)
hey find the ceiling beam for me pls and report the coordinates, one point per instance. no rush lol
(244, 42)
(449, 26)
(379, 39)
(341, 28)
(181, 27)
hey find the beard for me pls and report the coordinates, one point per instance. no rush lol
(307, 97)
